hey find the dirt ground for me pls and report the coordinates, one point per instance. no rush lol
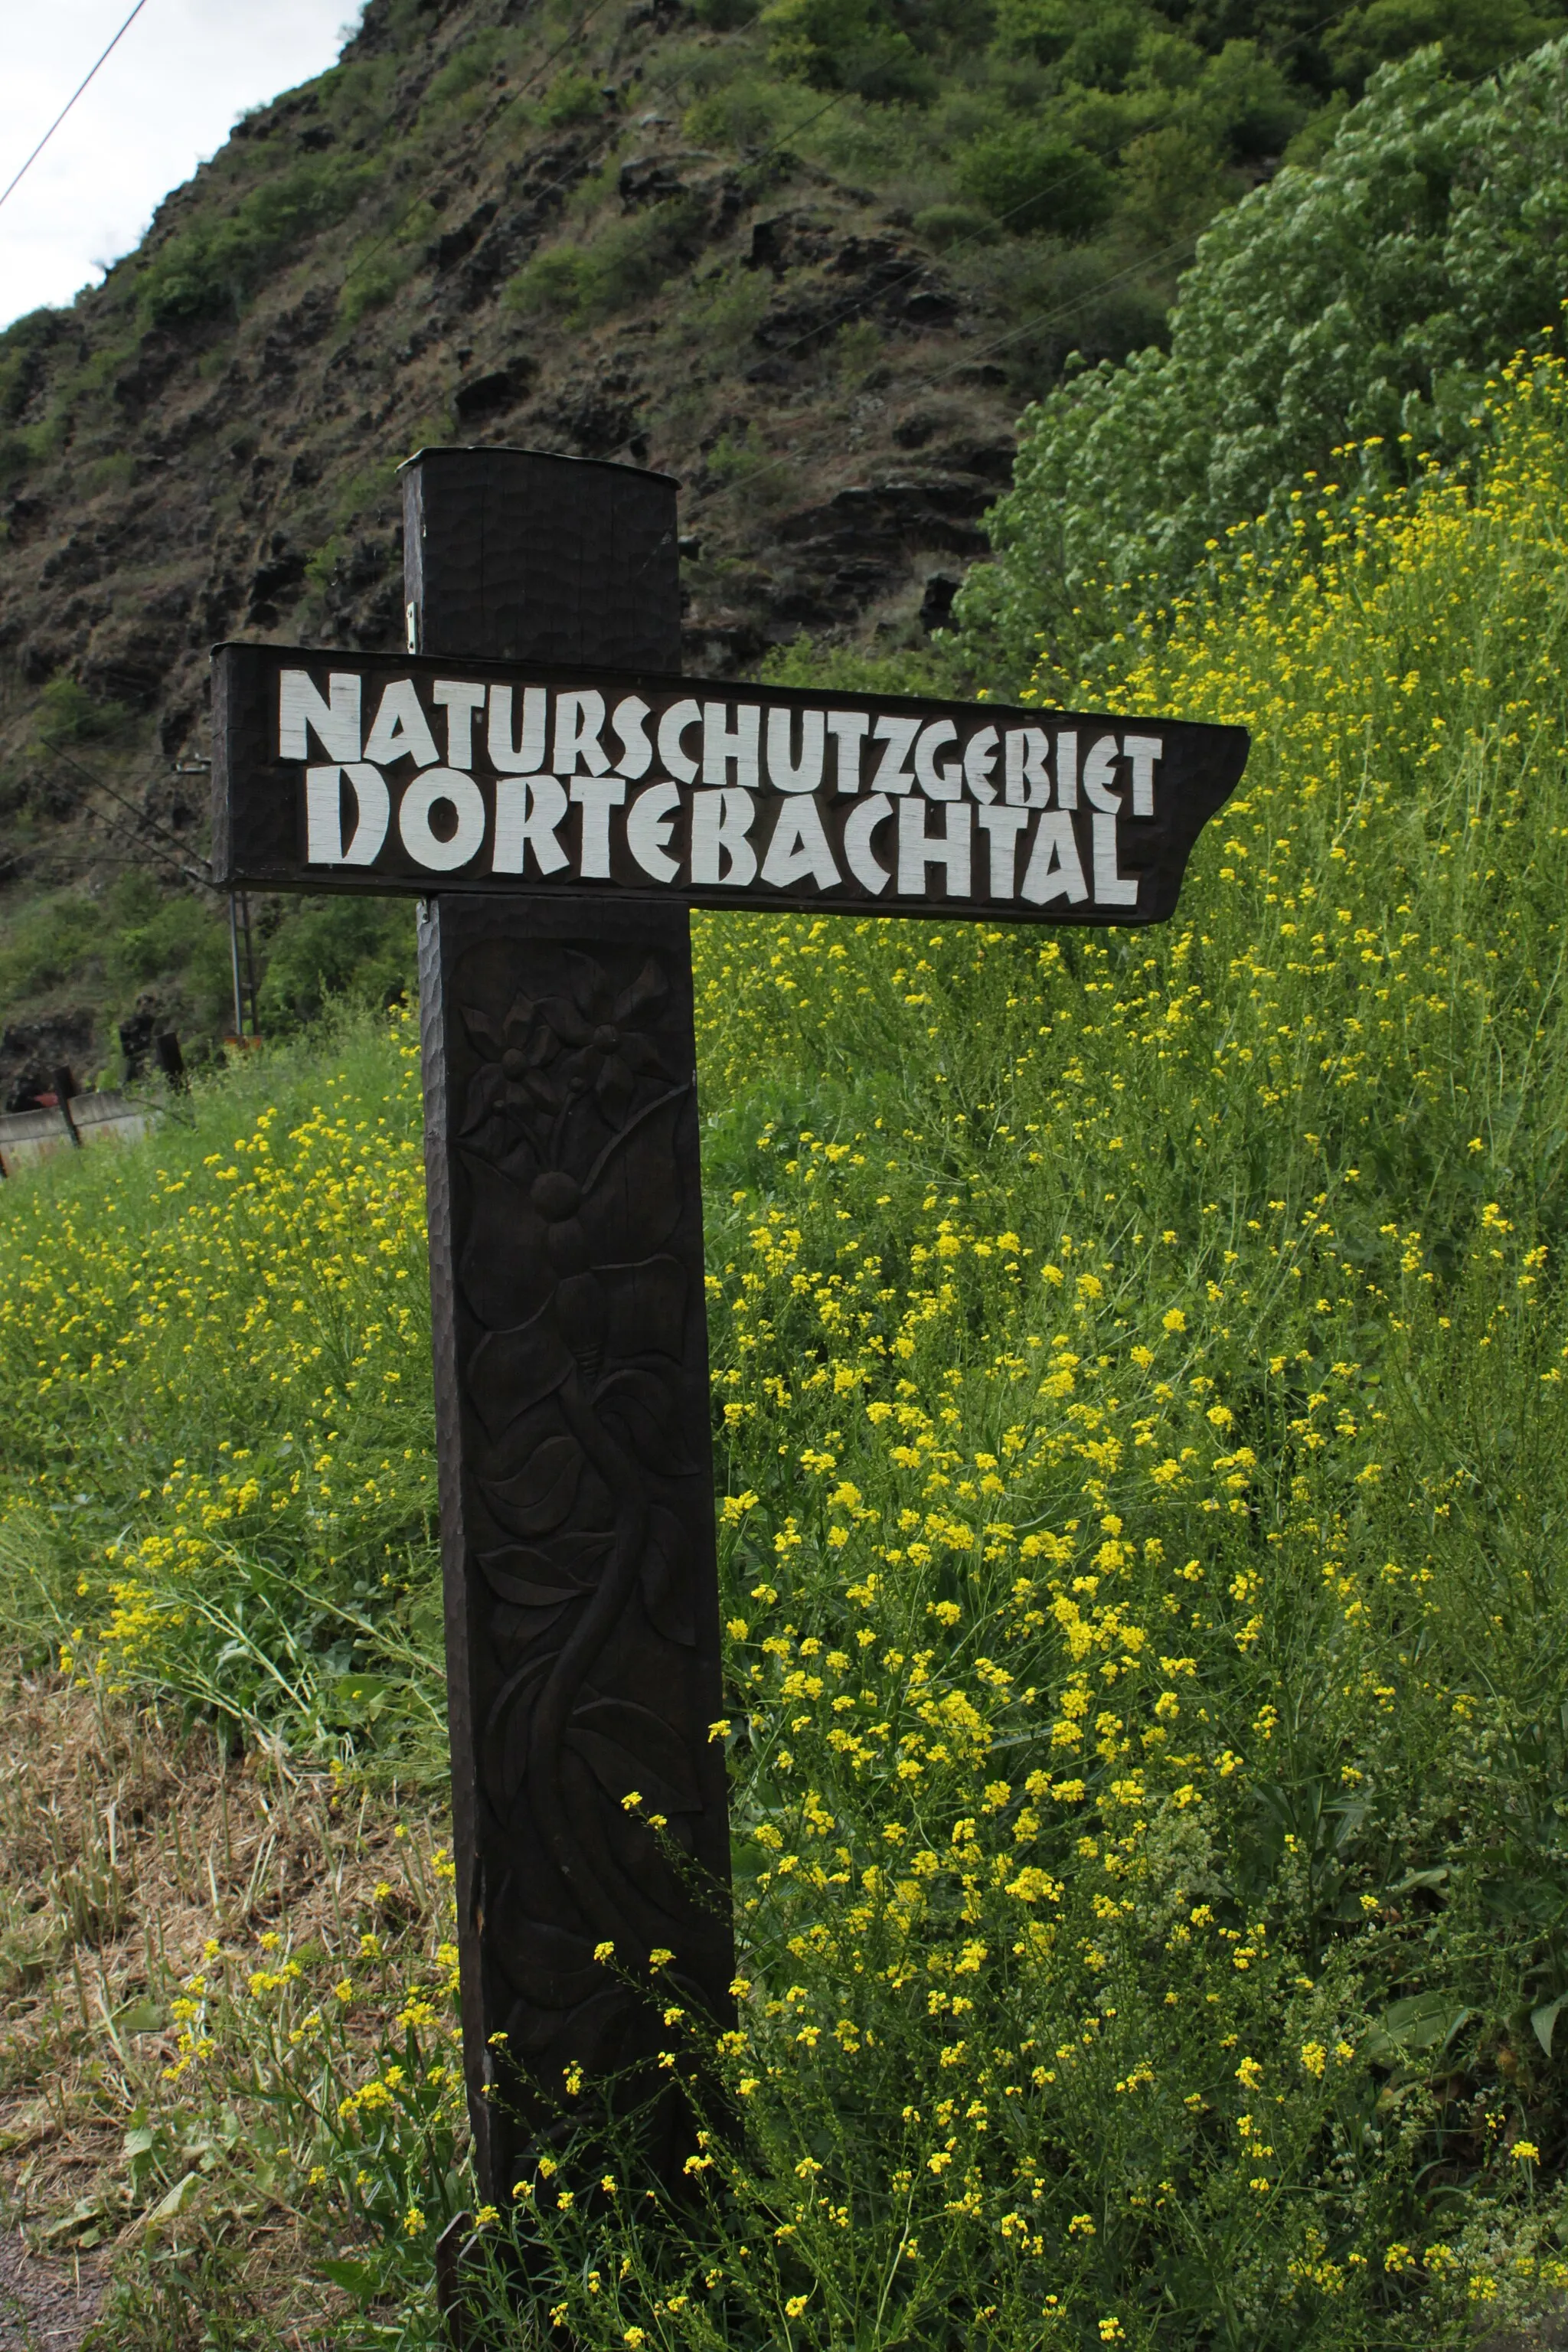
(127, 1842)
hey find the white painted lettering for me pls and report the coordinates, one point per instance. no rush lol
(847, 729)
(720, 823)
(724, 746)
(673, 751)
(629, 720)
(1029, 780)
(650, 817)
(459, 703)
(325, 815)
(785, 773)
(1142, 751)
(527, 811)
(799, 849)
(1099, 774)
(949, 849)
(1056, 871)
(979, 759)
(1067, 770)
(419, 803)
(596, 799)
(336, 722)
(938, 783)
(578, 718)
(518, 759)
(898, 734)
(401, 730)
(1004, 825)
(861, 824)
(1110, 888)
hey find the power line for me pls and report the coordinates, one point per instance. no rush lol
(71, 101)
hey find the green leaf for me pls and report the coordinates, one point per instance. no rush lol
(1544, 2020)
(362, 2280)
(1427, 2021)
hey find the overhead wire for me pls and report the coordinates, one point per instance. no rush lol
(17, 178)
(143, 822)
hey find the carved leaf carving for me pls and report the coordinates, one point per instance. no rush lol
(537, 1580)
(506, 1273)
(647, 1308)
(541, 1494)
(627, 1747)
(514, 1370)
(505, 1743)
(639, 1407)
(632, 1197)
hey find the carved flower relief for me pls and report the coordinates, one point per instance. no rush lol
(550, 1056)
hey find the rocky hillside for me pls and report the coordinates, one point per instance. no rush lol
(812, 264)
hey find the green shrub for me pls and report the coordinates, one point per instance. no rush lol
(470, 64)
(65, 713)
(326, 950)
(849, 45)
(572, 98)
(722, 312)
(1031, 179)
(949, 225)
(726, 15)
(626, 262)
(1475, 35)
(212, 269)
(748, 111)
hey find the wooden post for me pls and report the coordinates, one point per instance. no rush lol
(572, 1389)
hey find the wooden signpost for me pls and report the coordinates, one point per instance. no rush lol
(538, 771)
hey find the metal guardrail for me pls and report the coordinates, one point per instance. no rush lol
(27, 1137)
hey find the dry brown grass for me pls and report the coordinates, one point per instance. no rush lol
(128, 1841)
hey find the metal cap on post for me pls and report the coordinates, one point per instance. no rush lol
(572, 1387)
(512, 554)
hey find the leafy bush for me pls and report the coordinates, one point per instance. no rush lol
(1364, 301)
(67, 713)
(212, 269)
(1476, 35)
(359, 950)
(948, 225)
(1030, 179)
(626, 261)
(572, 98)
(850, 45)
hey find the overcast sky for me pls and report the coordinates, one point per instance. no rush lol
(165, 100)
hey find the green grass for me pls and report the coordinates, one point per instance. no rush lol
(1139, 1372)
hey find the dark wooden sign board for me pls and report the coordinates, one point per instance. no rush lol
(558, 795)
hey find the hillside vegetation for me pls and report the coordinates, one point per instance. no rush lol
(1364, 302)
(811, 259)
(1139, 1362)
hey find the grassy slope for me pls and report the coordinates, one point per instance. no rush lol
(1139, 1363)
